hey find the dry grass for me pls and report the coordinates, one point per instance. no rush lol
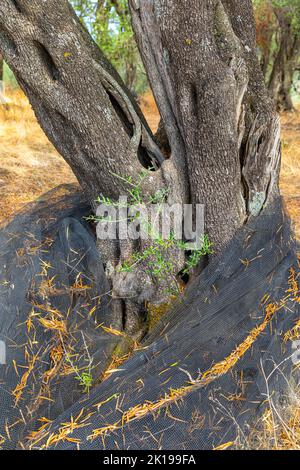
(290, 172)
(29, 164)
(175, 395)
(279, 426)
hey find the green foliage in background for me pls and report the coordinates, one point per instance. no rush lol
(109, 23)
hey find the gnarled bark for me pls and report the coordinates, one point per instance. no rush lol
(2, 99)
(201, 61)
(203, 69)
(1, 68)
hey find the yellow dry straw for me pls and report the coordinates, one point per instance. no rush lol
(214, 372)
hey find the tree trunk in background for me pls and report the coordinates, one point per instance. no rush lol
(102, 13)
(201, 60)
(285, 63)
(2, 99)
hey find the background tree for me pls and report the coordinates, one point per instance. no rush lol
(200, 58)
(266, 29)
(278, 26)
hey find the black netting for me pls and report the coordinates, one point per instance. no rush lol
(196, 381)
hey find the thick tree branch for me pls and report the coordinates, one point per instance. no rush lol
(78, 97)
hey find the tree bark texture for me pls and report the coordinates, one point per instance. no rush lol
(220, 132)
(79, 99)
(201, 61)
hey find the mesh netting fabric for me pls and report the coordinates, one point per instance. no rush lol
(198, 379)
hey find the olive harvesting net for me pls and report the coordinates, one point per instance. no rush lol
(198, 379)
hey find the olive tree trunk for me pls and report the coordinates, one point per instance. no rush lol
(202, 65)
(217, 118)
